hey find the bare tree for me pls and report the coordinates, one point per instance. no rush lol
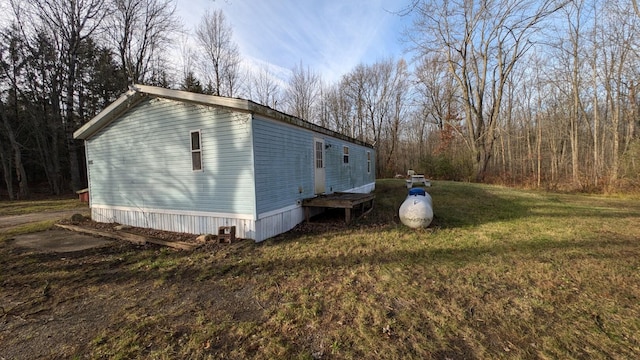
(481, 43)
(220, 59)
(33, 76)
(140, 31)
(71, 22)
(398, 100)
(303, 92)
(263, 88)
(574, 17)
(353, 86)
(437, 102)
(188, 57)
(16, 151)
(7, 164)
(12, 64)
(335, 109)
(378, 93)
(619, 78)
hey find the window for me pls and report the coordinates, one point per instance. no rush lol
(368, 162)
(319, 153)
(345, 154)
(196, 151)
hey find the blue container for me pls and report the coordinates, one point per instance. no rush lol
(417, 191)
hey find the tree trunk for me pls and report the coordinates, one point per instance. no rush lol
(539, 149)
(72, 148)
(21, 174)
(483, 157)
(5, 158)
(615, 128)
(574, 124)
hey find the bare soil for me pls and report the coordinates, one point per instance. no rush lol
(69, 295)
(60, 305)
(61, 292)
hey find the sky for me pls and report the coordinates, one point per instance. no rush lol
(331, 37)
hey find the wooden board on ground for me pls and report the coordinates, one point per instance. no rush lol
(134, 238)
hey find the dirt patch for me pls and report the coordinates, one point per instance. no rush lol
(121, 300)
(59, 241)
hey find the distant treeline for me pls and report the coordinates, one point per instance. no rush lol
(540, 94)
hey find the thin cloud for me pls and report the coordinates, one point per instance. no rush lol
(331, 36)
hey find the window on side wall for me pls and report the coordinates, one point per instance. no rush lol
(345, 154)
(196, 151)
(368, 162)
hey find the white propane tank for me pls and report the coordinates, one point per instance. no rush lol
(417, 209)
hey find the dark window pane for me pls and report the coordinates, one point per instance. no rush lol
(195, 140)
(196, 160)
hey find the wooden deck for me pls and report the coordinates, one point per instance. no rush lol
(346, 201)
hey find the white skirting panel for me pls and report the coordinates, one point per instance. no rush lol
(278, 222)
(268, 224)
(364, 189)
(184, 222)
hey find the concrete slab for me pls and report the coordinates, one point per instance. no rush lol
(59, 241)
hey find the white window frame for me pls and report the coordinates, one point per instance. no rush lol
(319, 155)
(194, 151)
(345, 155)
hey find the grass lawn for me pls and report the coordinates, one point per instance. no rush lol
(501, 273)
(29, 206)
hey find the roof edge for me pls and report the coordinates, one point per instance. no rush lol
(107, 115)
(137, 92)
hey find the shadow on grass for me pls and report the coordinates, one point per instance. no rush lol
(460, 205)
(122, 263)
(456, 205)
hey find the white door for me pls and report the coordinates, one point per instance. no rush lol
(318, 159)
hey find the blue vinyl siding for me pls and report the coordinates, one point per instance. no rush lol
(143, 159)
(341, 176)
(284, 164)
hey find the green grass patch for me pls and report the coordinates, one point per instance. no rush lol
(501, 273)
(31, 206)
(26, 229)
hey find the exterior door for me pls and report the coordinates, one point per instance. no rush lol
(319, 166)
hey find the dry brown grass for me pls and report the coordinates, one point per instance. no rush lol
(500, 274)
(30, 206)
